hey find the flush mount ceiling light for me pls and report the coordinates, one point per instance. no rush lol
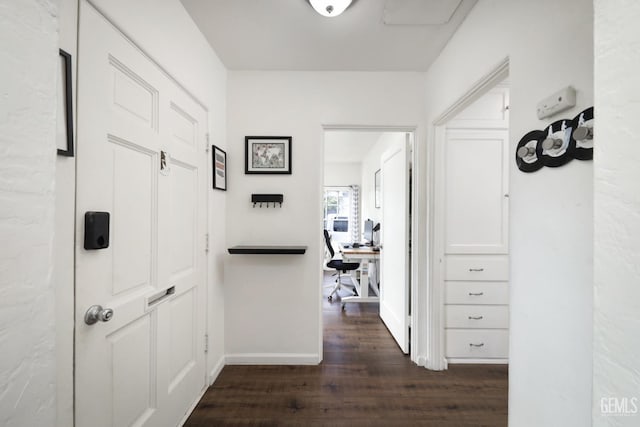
(330, 8)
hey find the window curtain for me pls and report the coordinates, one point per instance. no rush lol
(355, 213)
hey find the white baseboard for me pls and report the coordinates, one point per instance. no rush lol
(215, 371)
(273, 359)
(421, 361)
(453, 361)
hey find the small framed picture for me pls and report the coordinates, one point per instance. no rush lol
(64, 138)
(376, 186)
(219, 168)
(267, 155)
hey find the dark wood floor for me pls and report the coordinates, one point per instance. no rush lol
(364, 380)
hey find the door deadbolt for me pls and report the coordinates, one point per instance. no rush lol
(97, 314)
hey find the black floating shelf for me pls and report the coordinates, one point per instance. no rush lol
(267, 250)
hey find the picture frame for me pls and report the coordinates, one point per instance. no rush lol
(219, 168)
(64, 137)
(267, 155)
(376, 188)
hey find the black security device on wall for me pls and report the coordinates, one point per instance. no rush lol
(96, 230)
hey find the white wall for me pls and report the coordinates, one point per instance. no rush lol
(273, 311)
(370, 164)
(616, 205)
(166, 32)
(28, 75)
(342, 174)
(549, 44)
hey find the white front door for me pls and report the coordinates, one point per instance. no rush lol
(146, 365)
(394, 242)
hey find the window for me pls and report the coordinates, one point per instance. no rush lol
(341, 213)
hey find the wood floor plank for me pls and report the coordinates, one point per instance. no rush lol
(364, 380)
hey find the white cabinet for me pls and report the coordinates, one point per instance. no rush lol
(476, 293)
(477, 316)
(476, 192)
(476, 267)
(475, 236)
(477, 345)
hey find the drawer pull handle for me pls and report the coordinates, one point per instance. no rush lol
(476, 269)
(476, 294)
(476, 345)
(475, 317)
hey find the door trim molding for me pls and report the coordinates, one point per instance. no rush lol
(434, 337)
(482, 86)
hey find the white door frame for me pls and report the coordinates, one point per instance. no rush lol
(434, 309)
(416, 295)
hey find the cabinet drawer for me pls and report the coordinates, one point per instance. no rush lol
(477, 316)
(476, 267)
(476, 292)
(477, 343)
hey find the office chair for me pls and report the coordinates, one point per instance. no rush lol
(339, 266)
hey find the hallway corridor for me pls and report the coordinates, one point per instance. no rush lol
(364, 380)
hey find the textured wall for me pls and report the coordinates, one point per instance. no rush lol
(616, 380)
(29, 58)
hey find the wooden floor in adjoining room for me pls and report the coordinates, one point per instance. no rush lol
(364, 380)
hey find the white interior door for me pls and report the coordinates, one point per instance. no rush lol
(394, 242)
(146, 365)
(476, 192)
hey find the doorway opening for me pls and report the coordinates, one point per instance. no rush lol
(367, 227)
(468, 293)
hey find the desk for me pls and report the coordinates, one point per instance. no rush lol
(365, 256)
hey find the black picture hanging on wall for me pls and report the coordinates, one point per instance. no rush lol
(267, 155)
(219, 168)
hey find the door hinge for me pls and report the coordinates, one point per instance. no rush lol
(206, 242)
(206, 343)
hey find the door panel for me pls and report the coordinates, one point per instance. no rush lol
(182, 332)
(132, 94)
(183, 126)
(133, 205)
(183, 218)
(133, 393)
(146, 366)
(476, 189)
(394, 253)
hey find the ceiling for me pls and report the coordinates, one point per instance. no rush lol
(371, 35)
(348, 146)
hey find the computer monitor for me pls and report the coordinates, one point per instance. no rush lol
(368, 231)
(341, 224)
